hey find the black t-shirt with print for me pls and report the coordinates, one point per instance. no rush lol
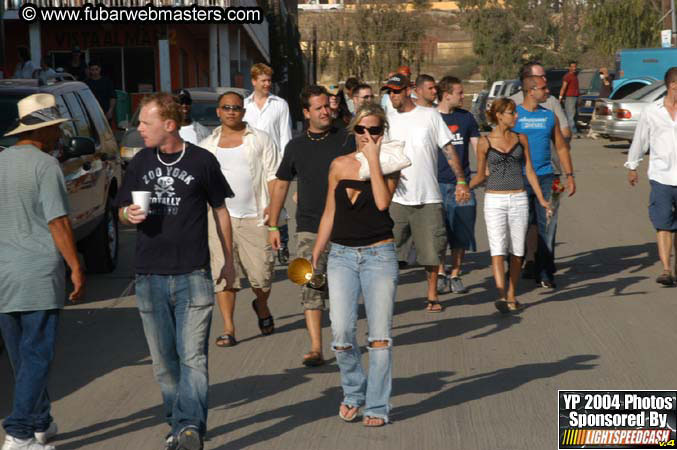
(173, 238)
(309, 161)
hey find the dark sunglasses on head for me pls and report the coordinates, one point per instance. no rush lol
(374, 131)
(236, 108)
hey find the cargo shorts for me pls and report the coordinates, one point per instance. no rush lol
(312, 298)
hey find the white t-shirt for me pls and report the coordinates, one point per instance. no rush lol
(235, 168)
(188, 134)
(423, 132)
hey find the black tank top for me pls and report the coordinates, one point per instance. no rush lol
(505, 168)
(359, 224)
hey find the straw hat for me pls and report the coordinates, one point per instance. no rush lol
(36, 111)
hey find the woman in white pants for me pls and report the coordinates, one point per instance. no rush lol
(506, 206)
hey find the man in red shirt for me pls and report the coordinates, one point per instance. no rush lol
(569, 93)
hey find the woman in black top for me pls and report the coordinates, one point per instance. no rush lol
(362, 260)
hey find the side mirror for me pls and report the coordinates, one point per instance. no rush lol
(80, 146)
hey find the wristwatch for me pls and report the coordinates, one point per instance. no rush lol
(570, 174)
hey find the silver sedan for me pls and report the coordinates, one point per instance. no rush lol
(625, 112)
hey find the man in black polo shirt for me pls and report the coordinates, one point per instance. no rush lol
(308, 158)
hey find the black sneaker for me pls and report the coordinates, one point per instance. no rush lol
(189, 439)
(529, 272)
(283, 255)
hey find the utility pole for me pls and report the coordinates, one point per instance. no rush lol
(314, 60)
(674, 23)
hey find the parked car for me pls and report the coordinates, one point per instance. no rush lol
(503, 88)
(203, 111)
(625, 112)
(478, 109)
(589, 84)
(89, 158)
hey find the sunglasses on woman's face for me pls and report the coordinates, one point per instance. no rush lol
(374, 131)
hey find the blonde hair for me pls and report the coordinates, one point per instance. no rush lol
(499, 106)
(167, 106)
(366, 110)
(259, 69)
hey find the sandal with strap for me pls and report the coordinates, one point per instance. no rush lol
(266, 324)
(313, 360)
(506, 307)
(367, 421)
(431, 304)
(226, 340)
(348, 417)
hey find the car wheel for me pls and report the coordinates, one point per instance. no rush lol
(101, 247)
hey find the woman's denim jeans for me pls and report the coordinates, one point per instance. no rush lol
(372, 272)
(176, 312)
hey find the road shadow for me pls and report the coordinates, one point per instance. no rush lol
(90, 343)
(618, 145)
(289, 417)
(483, 385)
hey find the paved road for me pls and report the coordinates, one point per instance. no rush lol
(463, 379)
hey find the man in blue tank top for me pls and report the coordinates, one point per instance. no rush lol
(541, 126)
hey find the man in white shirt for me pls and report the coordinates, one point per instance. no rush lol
(426, 91)
(190, 131)
(249, 159)
(416, 208)
(269, 113)
(657, 130)
(25, 67)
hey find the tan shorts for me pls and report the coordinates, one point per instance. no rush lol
(425, 225)
(252, 254)
(312, 298)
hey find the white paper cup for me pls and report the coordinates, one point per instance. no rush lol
(141, 198)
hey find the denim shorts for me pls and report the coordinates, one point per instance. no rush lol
(459, 219)
(663, 206)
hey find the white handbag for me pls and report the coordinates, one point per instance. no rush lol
(391, 158)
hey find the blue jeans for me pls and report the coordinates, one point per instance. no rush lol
(459, 218)
(545, 253)
(570, 110)
(29, 338)
(176, 312)
(372, 272)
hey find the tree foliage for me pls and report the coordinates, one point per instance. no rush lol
(616, 24)
(370, 42)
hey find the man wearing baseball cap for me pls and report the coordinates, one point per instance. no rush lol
(416, 208)
(190, 131)
(32, 273)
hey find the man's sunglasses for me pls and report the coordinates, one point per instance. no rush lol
(374, 131)
(236, 108)
(393, 91)
(185, 101)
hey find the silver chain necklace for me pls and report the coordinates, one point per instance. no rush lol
(183, 152)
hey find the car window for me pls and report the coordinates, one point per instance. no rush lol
(94, 112)
(628, 89)
(645, 91)
(80, 119)
(68, 128)
(8, 116)
(204, 112)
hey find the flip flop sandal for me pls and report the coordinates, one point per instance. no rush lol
(349, 418)
(226, 340)
(502, 306)
(314, 360)
(266, 323)
(367, 419)
(515, 306)
(431, 304)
